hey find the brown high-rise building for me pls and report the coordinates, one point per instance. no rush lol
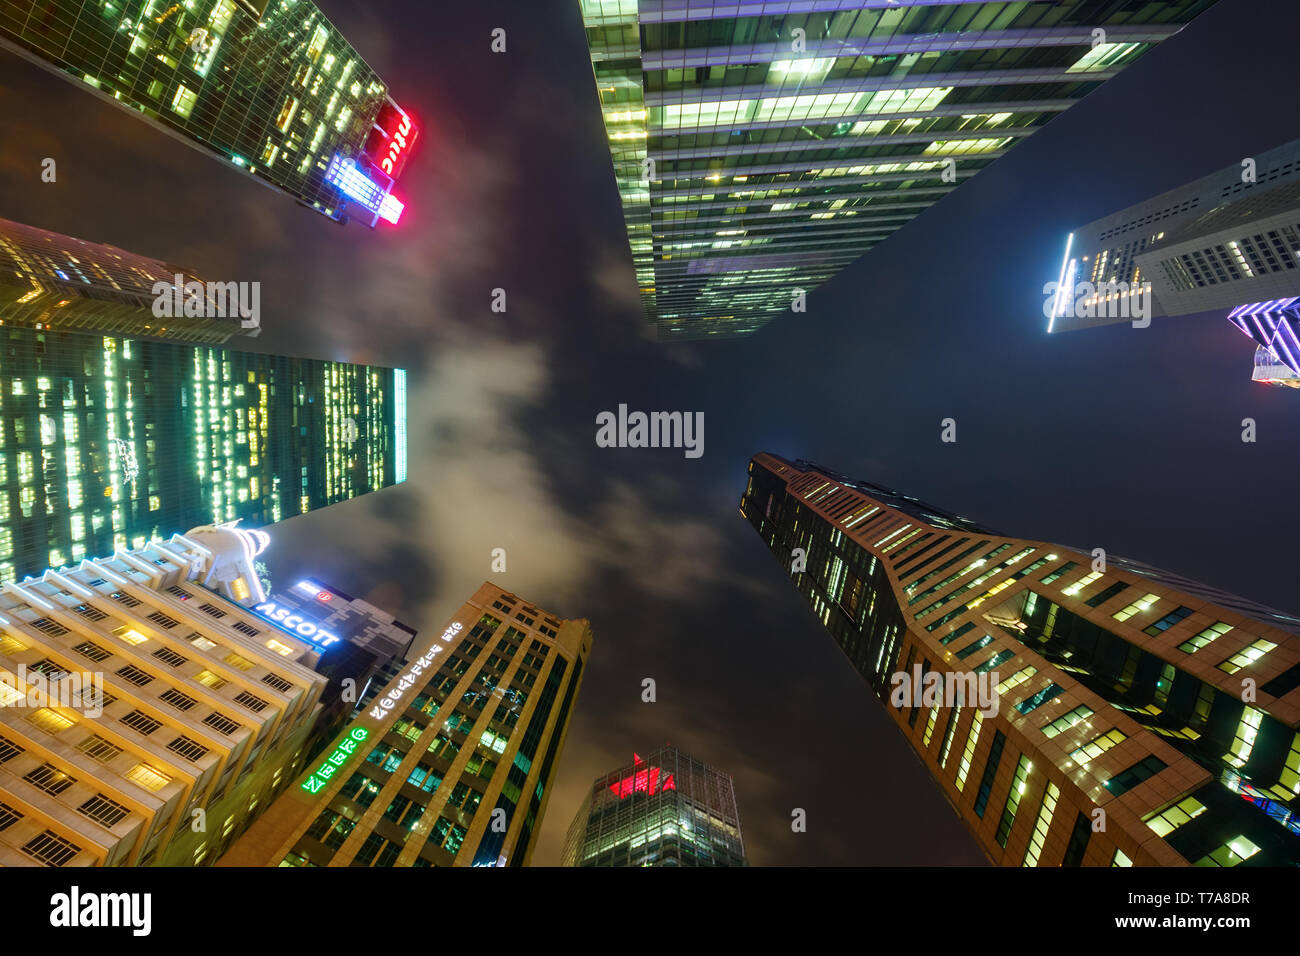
(1075, 707)
(452, 763)
(50, 282)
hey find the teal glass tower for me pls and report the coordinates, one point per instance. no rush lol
(107, 442)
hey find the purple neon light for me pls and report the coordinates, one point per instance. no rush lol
(1273, 325)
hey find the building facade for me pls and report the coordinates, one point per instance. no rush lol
(54, 282)
(269, 86)
(147, 717)
(1229, 242)
(453, 762)
(106, 442)
(667, 809)
(361, 647)
(1073, 712)
(759, 148)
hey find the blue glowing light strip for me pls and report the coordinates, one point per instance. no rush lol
(1060, 282)
(353, 183)
(399, 423)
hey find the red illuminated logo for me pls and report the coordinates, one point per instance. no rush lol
(649, 781)
(401, 138)
(324, 596)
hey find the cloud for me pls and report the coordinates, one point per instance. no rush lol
(479, 481)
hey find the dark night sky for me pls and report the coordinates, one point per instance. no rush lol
(1117, 438)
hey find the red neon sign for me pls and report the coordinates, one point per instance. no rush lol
(397, 145)
(649, 781)
(391, 139)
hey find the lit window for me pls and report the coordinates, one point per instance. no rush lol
(1207, 636)
(1167, 821)
(1230, 854)
(1137, 607)
(49, 721)
(183, 101)
(130, 635)
(1246, 656)
(147, 777)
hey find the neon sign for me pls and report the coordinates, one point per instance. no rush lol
(397, 145)
(345, 176)
(649, 781)
(407, 680)
(345, 749)
(312, 590)
(295, 623)
(391, 138)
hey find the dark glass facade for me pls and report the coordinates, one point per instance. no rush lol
(106, 442)
(267, 85)
(757, 151)
(666, 809)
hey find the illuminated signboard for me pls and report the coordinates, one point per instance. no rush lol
(407, 680)
(391, 139)
(649, 781)
(345, 749)
(311, 590)
(345, 176)
(295, 623)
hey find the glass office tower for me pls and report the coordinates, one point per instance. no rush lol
(1228, 238)
(759, 147)
(1075, 709)
(269, 86)
(667, 809)
(108, 441)
(51, 281)
(452, 764)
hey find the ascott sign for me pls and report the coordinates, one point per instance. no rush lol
(295, 623)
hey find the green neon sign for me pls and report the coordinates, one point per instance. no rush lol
(345, 749)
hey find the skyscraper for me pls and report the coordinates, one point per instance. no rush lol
(667, 809)
(55, 282)
(358, 642)
(145, 716)
(453, 763)
(109, 441)
(269, 86)
(1076, 708)
(758, 148)
(1229, 241)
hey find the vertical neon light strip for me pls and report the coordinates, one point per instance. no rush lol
(399, 424)
(1056, 306)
